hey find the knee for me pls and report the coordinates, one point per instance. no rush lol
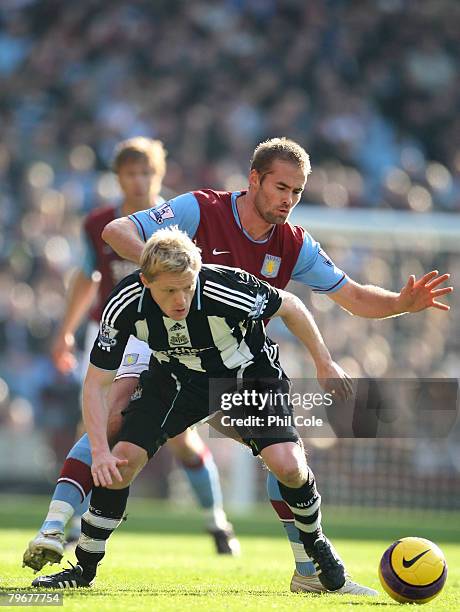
(287, 462)
(187, 446)
(291, 474)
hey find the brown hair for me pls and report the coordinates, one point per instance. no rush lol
(141, 149)
(283, 149)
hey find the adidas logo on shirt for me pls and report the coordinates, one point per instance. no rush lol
(177, 333)
(177, 327)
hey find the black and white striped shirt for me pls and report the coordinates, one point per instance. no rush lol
(223, 332)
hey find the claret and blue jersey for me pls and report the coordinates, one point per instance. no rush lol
(101, 257)
(211, 219)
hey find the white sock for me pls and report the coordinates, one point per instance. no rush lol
(216, 518)
(59, 514)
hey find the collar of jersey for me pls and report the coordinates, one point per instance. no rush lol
(196, 302)
(235, 195)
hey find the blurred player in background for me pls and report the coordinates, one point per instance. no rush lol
(140, 165)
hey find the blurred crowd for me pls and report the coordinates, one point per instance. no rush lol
(370, 89)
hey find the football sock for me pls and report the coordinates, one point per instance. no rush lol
(302, 562)
(59, 513)
(105, 513)
(75, 523)
(305, 504)
(73, 485)
(83, 507)
(203, 477)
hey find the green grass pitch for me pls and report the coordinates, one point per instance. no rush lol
(161, 560)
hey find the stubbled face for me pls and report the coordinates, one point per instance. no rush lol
(173, 292)
(277, 191)
(137, 180)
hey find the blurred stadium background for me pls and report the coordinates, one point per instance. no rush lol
(371, 89)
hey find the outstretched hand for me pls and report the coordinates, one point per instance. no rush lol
(420, 294)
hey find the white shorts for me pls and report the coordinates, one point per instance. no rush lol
(135, 360)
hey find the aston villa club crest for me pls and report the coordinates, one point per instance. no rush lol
(130, 359)
(271, 266)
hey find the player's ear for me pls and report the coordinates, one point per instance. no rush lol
(254, 178)
(144, 281)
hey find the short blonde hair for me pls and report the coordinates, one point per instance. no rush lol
(141, 149)
(169, 250)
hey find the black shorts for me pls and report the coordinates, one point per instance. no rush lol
(164, 407)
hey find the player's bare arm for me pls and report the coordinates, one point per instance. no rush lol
(122, 236)
(82, 292)
(95, 415)
(301, 323)
(378, 303)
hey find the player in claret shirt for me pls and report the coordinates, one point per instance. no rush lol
(250, 229)
(140, 165)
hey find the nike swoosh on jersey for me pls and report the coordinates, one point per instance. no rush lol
(216, 252)
(411, 562)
